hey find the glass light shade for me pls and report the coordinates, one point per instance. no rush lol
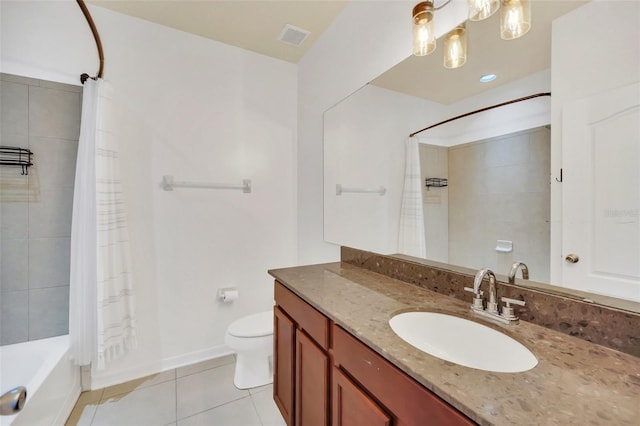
(455, 47)
(515, 18)
(482, 9)
(424, 37)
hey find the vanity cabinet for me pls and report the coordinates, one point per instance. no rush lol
(363, 388)
(408, 402)
(301, 361)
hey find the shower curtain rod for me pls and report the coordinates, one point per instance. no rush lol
(96, 37)
(526, 98)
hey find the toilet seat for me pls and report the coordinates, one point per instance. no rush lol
(256, 325)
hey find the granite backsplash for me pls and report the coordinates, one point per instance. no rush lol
(614, 328)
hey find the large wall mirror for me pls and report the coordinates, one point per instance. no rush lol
(496, 192)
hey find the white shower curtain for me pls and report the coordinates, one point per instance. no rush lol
(411, 238)
(101, 302)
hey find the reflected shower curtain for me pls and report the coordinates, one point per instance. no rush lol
(101, 303)
(411, 238)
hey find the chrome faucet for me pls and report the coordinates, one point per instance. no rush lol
(492, 306)
(12, 401)
(508, 314)
(514, 270)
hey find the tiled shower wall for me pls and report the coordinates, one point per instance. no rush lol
(499, 189)
(35, 210)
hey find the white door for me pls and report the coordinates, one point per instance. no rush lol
(601, 193)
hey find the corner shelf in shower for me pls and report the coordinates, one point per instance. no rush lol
(14, 156)
(436, 182)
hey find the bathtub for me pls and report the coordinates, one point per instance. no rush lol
(52, 381)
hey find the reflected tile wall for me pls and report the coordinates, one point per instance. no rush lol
(35, 210)
(499, 189)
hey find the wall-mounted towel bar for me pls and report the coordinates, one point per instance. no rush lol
(168, 183)
(340, 189)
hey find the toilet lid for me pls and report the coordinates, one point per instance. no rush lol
(256, 325)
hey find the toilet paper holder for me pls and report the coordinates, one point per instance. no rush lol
(228, 294)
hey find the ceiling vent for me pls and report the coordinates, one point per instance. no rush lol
(293, 35)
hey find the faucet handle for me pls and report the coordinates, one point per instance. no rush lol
(508, 312)
(478, 302)
(470, 290)
(508, 301)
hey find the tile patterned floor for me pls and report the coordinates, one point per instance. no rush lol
(200, 394)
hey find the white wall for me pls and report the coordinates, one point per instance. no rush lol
(201, 111)
(584, 62)
(364, 138)
(367, 38)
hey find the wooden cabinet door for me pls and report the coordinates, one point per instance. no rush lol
(312, 381)
(283, 362)
(352, 407)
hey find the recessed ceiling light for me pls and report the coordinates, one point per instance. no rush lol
(487, 78)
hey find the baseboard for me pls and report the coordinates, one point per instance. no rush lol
(195, 357)
(147, 369)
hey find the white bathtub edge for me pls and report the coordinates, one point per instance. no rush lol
(58, 388)
(68, 406)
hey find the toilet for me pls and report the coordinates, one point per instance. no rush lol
(251, 337)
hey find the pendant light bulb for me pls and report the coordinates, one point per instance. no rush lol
(424, 37)
(515, 18)
(455, 47)
(482, 9)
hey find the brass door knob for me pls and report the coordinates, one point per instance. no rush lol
(572, 258)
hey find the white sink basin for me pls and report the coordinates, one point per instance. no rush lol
(463, 342)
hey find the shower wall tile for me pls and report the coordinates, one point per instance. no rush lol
(48, 312)
(13, 218)
(14, 109)
(54, 113)
(14, 317)
(35, 211)
(12, 78)
(539, 147)
(499, 189)
(54, 160)
(51, 215)
(49, 262)
(510, 150)
(13, 264)
(60, 86)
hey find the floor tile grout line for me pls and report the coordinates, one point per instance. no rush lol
(255, 407)
(93, 416)
(175, 386)
(214, 407)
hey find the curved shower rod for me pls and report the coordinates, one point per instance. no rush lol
(526, 98)
(96, 37)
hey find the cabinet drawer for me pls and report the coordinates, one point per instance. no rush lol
(410, 402)
(315, 324)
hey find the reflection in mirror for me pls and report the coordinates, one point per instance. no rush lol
(504, 200)
(495, 209)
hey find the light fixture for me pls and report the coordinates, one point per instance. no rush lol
(482, 9)
(515, 21)
(455, 47)
(487, 78)
(424, 37)
(515, 18)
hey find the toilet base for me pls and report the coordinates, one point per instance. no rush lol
(252, 371)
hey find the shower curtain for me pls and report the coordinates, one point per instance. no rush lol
(411, 238)
(101, 300)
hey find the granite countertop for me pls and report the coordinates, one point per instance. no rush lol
(574, 383)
